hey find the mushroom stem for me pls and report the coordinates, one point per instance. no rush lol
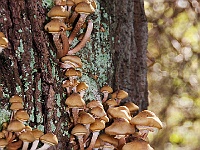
(105, 96)
(78, 26)
(65, 43)
(75, 115)
(88, 132)
(80, 140)
(84, 40)
(93, 140)
(25, 145)
(44, 147)
(58, 44)
(121, 142)
(81, 93)
(72, 18)
(34, 145)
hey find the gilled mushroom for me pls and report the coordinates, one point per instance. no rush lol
(106, 89)
(146, 121)
(14, 107)
(84, 40)
(15, 145)
(94, 103)
(3, 43)
(16, 126)
(71, 61)
(16, 99)
(49, 139)
(81, 88)
(119, 95)
(75, 102)
(79, 131)
(37, 134)
(133, 108)
(3, 143)
(98, 112)
(84, 9)
(95, 127)
(109, 142)
(21, 115)
(69, 4)
(72, 74)
(27, 137)
(60, 2)
(137, 145)
(111, 103)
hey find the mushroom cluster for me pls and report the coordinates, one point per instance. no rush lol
(16, 134)
(68, 18)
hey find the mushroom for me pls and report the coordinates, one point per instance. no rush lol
(146, 121)
(71, 74)
(9, 136)
(68, 85)
(21, 115)
(3, 143)
(79, 131)
(106, 89)
(15, 126)
(60, 2)
(120, 128)
(94, 103)
(98, 112)
(16, 99)
(15, 145)
(111, 103)
(133, 108)
(84, 9)
(81, 88)
(75, 102)
(49, 139)
(69, 4)
(27, 137)
(109, 142)
(84, 40)
(119, 95)
(37, 134)
(71, 61)
(3, 43)
(14, 107)
(138, 144)
(95, 127)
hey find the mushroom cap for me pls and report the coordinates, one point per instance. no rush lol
(98, 111)
(15, 99)
(14, 145)
(55, 26)
(15, 126)
(109, 139)
(147, 118)
(106, 88)
(98, 143)
(79, 129)
(16, 106)
(49, 138)
(131, 106)
(3, 143)
(58, 11)
(2, 135)
(78, 72)
(2, 34)
(85, 118)
(75, 100)
(120, 127)
(84, 7)
(71, 72)
(62, 2)
(138, 145)
(37, 133)
(21, 115)
(119, 112)
(111, 102)
(3, 42)
(94, 4)
(105, 118)
(70, 3)
(82, 86)
(28, 128)
(79, 1)
(98, 125)
(120, 94)
(73, 60)
(94, 103)
(27, 136)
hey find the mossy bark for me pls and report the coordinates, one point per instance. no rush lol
(116, 55)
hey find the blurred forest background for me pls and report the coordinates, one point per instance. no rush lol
(174, 77)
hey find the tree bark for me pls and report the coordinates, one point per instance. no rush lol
(29, 68)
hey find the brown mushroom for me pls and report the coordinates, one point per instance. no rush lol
(27, 137)
(81, 88)
(3, 43)
(3, 143)
(71, 61)
(49, 139)
(106, 89)
(21, 115)
(37, 134)
(133, 108)
(109, 142)
(119, 95)
(138, 145)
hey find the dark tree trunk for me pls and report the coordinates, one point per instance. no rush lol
(29, 68)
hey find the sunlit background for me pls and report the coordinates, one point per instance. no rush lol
(174, 77)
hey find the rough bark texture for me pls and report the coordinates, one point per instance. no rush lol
(30, 69)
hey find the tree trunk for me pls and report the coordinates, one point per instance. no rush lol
(116, 55)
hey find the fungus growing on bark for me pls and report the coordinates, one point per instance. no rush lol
(21, 115)
(133, 108)
(15, 145)
(14, 107)
(71, 61)
(49, 139)
(37, 134)
(3, 43)
(119, 95)
(15, 126)
(81, 88)
(98, 112)
(27, 137)
(79, 131)
(106, 89)
(109, 142)
(84, 9)
(3, 143)
(137, 145)
(71, 74)
(146, 121)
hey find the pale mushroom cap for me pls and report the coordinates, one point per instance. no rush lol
(15, 126)
(120, 94)
(21, 115)
(58, 11)
(98, 111)
(138, 145)
(16, 106)
(84, 7)
(73, 59)
(97, 125)
(27, 136)
(55, 26)
(120, 127)
(79, 129)
(109, 139)
(94, 103)
(81, 86)
(106, 88)
(37, 133)
(3, 143)
(49, 138)
(16, 98)
(147, 118)
(119, 112)
(85, 118)
(131, 106)
(75, 100)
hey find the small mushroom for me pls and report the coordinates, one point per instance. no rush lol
(15, 145)
(137, 144)
(119, 95)
(133, 108)
(3, 143)
(106, 89)
(3, 43)
(71, 61)
(27, 137)
(21, 115)
(81, 88)
(37, 134)
(15, 126)
(49, 139)
(109, 142)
